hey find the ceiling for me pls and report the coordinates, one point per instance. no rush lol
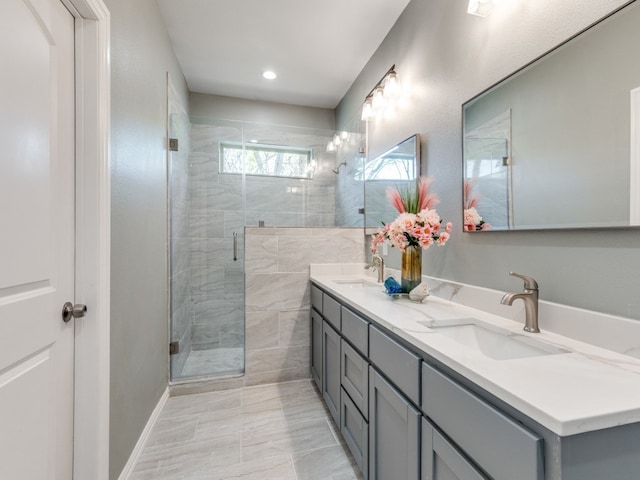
(317, 48)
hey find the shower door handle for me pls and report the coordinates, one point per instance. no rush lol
(235, 246)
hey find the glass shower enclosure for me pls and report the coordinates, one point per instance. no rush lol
(224, 176)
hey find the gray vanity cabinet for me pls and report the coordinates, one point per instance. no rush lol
(316, 348)
(502, 447)
(331, 370)
(443, 461)
(394, 432)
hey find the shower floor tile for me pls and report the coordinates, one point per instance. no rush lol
(216, 361)
(249, 433)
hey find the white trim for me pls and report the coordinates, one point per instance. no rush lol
(634, 169)
(93, 235)
(144, 436)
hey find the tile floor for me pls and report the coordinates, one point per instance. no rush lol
(268, 432)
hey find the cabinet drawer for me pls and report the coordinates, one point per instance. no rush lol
(316, 298)
(331, 311)
(503, 448)
(356, 330)
(396, 362)
(355, 377)
(355, 431)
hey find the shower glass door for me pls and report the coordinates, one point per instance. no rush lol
(208, 296)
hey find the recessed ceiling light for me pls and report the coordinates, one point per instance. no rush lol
(269, 75)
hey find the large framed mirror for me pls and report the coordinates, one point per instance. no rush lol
(397, 166)
(557, 144)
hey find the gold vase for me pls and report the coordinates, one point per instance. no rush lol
(411, 272)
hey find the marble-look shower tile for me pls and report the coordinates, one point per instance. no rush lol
(220, 196)
(294, 253)
(282, 439)
(294, 328)
(232, 334)
(218, 361)
(274, 359)
(224, 308)
(207, 279)
(211, 251)
(234, 279)
(261, 253)
(261, 330)
(277, 292)
(210, 225)
(205, 334)
(333, 462)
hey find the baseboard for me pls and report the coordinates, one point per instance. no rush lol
(137, 450)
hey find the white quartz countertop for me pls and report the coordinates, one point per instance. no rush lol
(585, 388)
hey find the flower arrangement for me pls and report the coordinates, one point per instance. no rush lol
(418, 224)
(472, 219)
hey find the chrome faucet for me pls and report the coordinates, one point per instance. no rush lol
(377, 262)
(530, 298)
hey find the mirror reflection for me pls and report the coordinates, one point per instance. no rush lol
(396, 167)
(557, 144)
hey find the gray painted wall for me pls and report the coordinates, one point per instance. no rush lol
(140, 57)
(444, 57)
(205, 107)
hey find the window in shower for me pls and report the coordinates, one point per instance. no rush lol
(266, 160)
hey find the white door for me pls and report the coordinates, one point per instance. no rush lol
(36, 239)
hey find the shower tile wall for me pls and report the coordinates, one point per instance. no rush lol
(180, 241)
(277, 295)
(217, 211)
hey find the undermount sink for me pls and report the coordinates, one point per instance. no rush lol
(355, 282)
(491, 341)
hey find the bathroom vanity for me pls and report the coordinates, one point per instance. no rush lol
(442, 391)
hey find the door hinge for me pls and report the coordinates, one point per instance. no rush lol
(173, 144)
(174, 347)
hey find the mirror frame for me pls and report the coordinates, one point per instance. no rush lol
(506, 79)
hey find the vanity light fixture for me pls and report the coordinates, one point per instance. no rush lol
(269, 75)
(377, 98)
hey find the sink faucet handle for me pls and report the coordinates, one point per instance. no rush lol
(529, 282)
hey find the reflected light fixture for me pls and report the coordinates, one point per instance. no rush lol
(481, 8)
(269, 75)
(375, 101)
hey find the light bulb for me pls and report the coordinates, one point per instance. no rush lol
(378, 98)
(331, 147)
(367, 109)
(391, 83)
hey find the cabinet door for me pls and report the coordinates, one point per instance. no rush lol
(442, 461)
(331, 370)
(355, 377)
(394, 432)
(316, 348)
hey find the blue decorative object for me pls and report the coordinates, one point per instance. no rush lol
(392, 286)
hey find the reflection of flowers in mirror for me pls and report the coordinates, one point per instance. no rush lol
(472, 219)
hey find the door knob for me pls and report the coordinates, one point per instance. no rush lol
(69, 311)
